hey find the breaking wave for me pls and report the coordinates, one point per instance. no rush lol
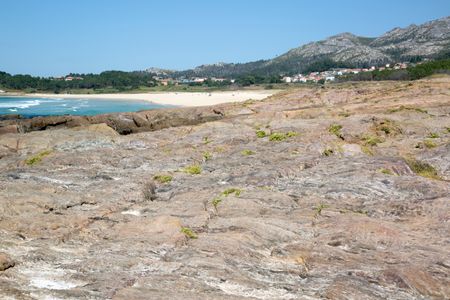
(20, 105)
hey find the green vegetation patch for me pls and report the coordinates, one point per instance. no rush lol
(193, 169)
(386, 171)
(336, 130)
(422, 168)
(290, 134)
(429, 144)
(162, 178)
(278, 136)
(206, 140)
(428, 68)
(188, 232)
(247, 152)
(433, 135)
(367, 150)
(411, 73)
(215, 202)
(371, 140)
(237, 192)
(35, 159)
(261, 134)
(319, 208)
(388, 127)
(207, 156)
(328, 152)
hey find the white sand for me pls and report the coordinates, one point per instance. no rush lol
(172, 98)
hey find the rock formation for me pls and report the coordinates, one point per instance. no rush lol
(339, 192)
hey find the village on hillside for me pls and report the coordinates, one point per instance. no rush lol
(313, 77)
(331, 75)
(165, 79)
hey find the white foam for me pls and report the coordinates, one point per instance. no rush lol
(20, 104)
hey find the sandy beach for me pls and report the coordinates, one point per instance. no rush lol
(173, 98)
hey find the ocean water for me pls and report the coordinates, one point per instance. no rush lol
(32, 106)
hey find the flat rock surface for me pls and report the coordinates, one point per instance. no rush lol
(347, 197)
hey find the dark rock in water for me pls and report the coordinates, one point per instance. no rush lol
(10, 117)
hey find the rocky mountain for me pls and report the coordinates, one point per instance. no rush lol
(425, 40)
(414, 42)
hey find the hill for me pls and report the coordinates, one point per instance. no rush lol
(413, 43)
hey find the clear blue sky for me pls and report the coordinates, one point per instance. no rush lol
(55, 37)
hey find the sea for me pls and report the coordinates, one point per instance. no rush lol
(29, 107)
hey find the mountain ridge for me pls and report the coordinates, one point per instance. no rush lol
(411, 43)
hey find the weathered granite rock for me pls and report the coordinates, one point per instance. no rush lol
(123, 123)
(351, 149)
(6, 262)
(10, 117)
(265, 218)
(9, 129)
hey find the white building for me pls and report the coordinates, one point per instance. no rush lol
(287, 79)
(199, 80)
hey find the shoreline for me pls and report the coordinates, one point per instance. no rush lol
(190, 99)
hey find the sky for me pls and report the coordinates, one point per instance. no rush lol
(56, 37)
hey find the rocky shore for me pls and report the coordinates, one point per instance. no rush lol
(334, 192)
(122, 123)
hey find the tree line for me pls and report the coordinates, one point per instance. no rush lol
(123, 81)
(118, 80)
(412, 73)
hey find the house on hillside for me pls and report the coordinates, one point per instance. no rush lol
(167, 81)
(287, 79)
(218, 79)
(198, 80)
(70, 78)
